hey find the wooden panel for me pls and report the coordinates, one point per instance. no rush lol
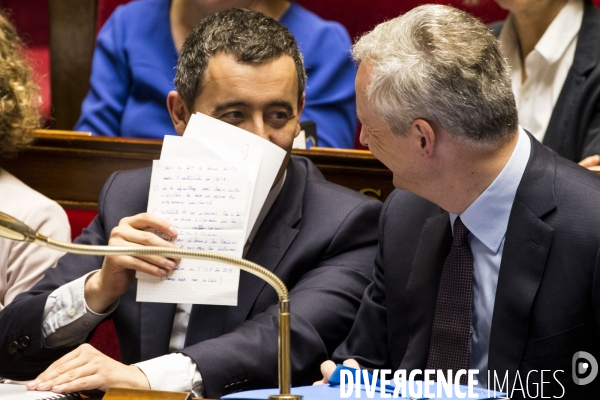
(356, 169)
(72, 168)
(72, 38)
(114, 393)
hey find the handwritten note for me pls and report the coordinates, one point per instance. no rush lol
(207, 200)
(211, 184)
(213, 133)
(177, 148)
(209, 195)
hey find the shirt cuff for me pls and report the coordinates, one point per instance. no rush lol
(183, 374)
(67, 319)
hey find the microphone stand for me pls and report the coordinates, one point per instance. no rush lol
(11, 228)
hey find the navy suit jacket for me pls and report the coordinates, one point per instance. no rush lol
(547, 303)
(319, 238)
(574, 127)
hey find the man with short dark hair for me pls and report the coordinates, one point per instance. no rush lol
(245, 69)
(489, 257)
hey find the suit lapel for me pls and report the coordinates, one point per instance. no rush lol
(421, 290)
(587, 54)
(526, 247)
(273, 239)
(156, 322)
(210, 321)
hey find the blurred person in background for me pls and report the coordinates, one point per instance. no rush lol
(22, 265)
(553, 48)
(136, 54)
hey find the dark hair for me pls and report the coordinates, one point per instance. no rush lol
(250, 36)
(19, 95)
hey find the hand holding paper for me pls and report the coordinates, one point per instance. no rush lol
(211, 184)
(118, 272)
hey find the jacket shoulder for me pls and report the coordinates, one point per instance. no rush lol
(577, 186)
(125, 193)
(407, 206)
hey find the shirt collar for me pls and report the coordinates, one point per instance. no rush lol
(510, 48)
(554, 42)
(508, 37)
(487, 216)
(561, 31)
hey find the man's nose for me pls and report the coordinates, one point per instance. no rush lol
(259, 128)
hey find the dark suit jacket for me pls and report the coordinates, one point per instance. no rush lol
(319, 238)
(574, 127)
(547, 303)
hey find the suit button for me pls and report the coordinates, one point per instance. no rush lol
(24, 342)
(13, 347)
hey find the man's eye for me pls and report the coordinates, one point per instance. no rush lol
(280, 115)
(233, 115)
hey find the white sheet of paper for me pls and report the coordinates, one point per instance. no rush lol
(178, 148)
(11, 391)
(213, 133)
(207, 200)
(221, 227)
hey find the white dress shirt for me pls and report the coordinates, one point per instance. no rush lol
(487, 220)
(546, 66)
(68, 321)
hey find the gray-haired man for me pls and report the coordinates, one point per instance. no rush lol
(489, 257)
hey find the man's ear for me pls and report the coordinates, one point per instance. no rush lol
(425, 133)
(301, 104)
(178, 111)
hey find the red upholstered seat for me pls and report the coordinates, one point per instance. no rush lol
(105, 340)
(79, 219)
(33, 29)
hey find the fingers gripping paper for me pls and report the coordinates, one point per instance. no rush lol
(209, 186)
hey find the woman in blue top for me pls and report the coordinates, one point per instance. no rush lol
(136, 53)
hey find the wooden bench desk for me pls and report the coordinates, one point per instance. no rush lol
(71, 168)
